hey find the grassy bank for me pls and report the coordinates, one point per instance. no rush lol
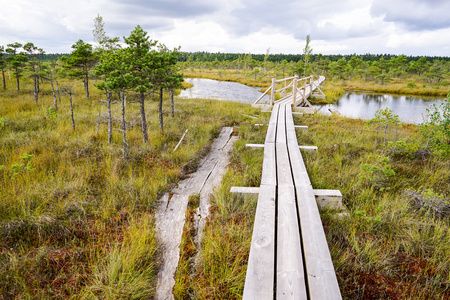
(76, 220)
(332, 87)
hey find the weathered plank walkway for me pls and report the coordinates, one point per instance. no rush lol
(289, 256)
(170, 217)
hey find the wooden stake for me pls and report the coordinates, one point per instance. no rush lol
(184, 134)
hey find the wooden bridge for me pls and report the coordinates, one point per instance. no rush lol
(289, 256)
(300, 90)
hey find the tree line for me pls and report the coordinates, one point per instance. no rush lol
(137, 68)
(378, 68)
(208, 56)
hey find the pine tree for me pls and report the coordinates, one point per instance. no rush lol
(82, 59)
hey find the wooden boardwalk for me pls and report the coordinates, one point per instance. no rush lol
(289, 256)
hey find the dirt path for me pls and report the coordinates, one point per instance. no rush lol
(170, 217)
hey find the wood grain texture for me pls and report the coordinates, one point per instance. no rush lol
(259, 280)
(287, 190)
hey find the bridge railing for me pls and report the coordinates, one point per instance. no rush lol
(297, 87)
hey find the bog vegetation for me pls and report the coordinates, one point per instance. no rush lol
(87, 145)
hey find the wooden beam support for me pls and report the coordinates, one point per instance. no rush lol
(308, 148)
(261, 146)
(253, 191)
(301, 127)
(255, 146)
(329, 199)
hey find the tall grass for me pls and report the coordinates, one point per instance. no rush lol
(386, 248)
(78, 221)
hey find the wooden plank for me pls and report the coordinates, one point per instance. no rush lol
(329, 199)
(322, 281)
(224, 137)
(255, 146)
(298, 165)
(290, 274)
(300, 127)
(272, 128)
(269, 172)
(259, 280)
(284, 174)
(281, 125)
(290, 127)
(262, 96)
(321, 276)
(244, 190)
(308, 148)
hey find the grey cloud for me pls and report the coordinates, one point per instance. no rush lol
(298, 18)
(414, 14)
(168, 8)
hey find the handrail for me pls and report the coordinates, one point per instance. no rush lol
(300, 88)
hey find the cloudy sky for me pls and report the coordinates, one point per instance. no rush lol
(411, 27)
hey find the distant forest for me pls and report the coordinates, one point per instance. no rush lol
(206, 56)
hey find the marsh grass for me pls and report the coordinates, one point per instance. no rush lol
(220, 273)
(401, 86)
(79, 222)
(386, 248)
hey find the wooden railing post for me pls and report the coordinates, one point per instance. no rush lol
(274, 89)
(304, 88)
(294, 91)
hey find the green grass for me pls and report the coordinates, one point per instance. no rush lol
(78, 222)
(387, 247)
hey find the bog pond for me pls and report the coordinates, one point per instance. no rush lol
(353, 105)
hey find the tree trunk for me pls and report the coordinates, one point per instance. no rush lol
(172, 104)
(55, 101)
(36, 89)
(71, 111)
(143, 119)
(124, 129)
(17, 78)
(57, 90)
(98, 121)
(108, 105)
(4, 81)
(161, 121)
(86, 86)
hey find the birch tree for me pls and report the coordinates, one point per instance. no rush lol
(307, 52)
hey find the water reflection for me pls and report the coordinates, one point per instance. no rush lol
(353, 105)
(221, 90)
(364, 105)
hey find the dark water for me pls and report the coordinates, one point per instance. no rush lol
(364, 106)
(221, 90)
(353, 105)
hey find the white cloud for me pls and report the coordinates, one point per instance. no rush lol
(415, 15)
(431, 42)
(416, 27)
